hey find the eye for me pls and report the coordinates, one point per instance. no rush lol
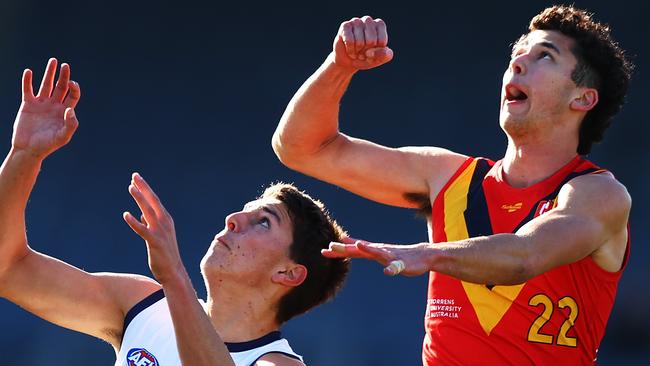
(545, 54)
(265, 222)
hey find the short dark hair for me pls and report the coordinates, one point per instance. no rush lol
(601, 64)
(313, 230)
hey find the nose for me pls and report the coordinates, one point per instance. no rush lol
(236, 221)
(518, 65)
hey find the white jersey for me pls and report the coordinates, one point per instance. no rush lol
(149, 339)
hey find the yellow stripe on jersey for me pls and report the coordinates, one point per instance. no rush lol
(489, 305)
(456, 204)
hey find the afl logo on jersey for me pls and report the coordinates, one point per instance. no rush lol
(140, 357)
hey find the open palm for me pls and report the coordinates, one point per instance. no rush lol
(46, 122)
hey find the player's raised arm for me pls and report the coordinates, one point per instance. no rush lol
(196, 338)
(45, 286)
(308, 139)
(44, 123)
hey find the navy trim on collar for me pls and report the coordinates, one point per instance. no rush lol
(140, 306)
(255, 343)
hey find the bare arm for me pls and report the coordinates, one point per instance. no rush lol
(60, 293)
(308, 139)
(590, 220)
(197, 341)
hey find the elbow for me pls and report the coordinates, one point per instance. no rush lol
(286, 155)
(524, 262)
(525, 267)
(521, 272)
(279, 147)
(516, 274)
(9, 264)
(518, 268)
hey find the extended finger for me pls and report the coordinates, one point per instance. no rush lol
(348, 240)
(62, 84)
(146, 209)
(74, 93)
(135, 225)
(149, 194)
(380, 254)
(48, 79)
(28, 89)
(340, 250)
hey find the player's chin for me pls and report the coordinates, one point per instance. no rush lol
(514, 125)
(215, 264)
(207, 263)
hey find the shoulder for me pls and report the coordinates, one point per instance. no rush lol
(436, 165)
(598, 193)
(278, 359)
(601, 204)
(128, 289)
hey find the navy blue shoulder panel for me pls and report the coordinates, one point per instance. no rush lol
(140, 306)
(477, 216)
(255, 343)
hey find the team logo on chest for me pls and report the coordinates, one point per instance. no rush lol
(545, 206)
(140, 357)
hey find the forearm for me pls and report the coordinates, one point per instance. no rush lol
(311, 118)
(197, 341)
(17, 178)
(502, 259)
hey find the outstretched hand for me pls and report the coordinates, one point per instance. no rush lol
(361, 44)
(407, 260)
(156, 227)
(46, 121)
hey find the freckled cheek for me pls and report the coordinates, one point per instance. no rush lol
(247, 254)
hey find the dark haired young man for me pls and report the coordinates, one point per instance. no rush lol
(262, 269)
(526, 252)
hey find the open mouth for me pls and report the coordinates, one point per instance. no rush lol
(513, 93)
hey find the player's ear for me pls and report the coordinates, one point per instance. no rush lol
(291, 275)
(586, 100)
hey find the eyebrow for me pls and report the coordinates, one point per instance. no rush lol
(272, 212)
(545, 44)
(551, 46)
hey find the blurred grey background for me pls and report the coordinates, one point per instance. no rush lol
(189, 93)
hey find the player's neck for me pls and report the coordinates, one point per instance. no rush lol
(527, 164)
(239, 315)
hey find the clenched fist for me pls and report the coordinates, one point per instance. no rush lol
(361, 44)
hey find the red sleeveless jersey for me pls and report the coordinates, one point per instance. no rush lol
(557, 318)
